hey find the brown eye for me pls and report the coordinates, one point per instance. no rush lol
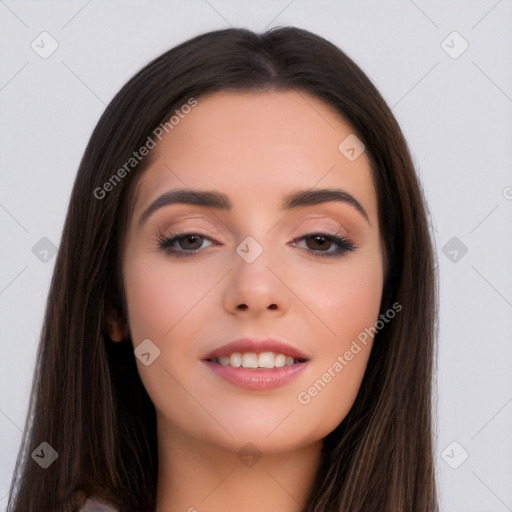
(183, 244)
(188, 242)
(320, 243)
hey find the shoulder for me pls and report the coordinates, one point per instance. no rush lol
(94, 504)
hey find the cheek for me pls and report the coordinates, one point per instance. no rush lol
(158, 297)
(150, 307)
(348, 304)
(162, 307)
(345, 299)
(356, 301)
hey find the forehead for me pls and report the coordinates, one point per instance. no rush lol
(257, 146)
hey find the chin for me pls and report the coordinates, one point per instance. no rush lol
(271, 434)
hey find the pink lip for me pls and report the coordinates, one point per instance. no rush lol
(257, 378)
(254, 345)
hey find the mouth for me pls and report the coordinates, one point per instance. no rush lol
(255, 360)
(256, 353)
(257, 364)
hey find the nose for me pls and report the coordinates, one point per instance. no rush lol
(255, 287)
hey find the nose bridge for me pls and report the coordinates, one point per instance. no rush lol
(253, 282)
(257, 244)
(251, 250)
(255, 261)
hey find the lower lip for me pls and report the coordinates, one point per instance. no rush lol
(256, 378)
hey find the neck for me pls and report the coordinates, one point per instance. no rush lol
(198, 477)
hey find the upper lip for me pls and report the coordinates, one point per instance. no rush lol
(257, 345)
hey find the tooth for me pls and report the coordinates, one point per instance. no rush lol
(279, 360)
(250, 360)
(255, 360)
(266, 360)
(235, 359)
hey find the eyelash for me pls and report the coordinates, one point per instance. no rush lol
(343, 244)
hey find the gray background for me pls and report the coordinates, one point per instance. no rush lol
(454, 108)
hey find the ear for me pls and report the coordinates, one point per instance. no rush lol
(117, 329)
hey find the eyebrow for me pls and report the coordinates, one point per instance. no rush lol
(220, 201)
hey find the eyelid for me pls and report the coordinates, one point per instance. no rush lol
(342, 243)
(328, 220)
(325, 223)
(319, 223)
(177, 221)
(178, 227)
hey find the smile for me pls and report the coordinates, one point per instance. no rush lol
(256, 360)
(256, 364)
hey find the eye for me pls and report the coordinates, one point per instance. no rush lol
(322, 241)
(318, 243)
(188, 243)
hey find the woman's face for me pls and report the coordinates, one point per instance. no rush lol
(258, 266)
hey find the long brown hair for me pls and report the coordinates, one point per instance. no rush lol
(87, 399)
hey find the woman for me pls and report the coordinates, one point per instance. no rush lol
(244, 305)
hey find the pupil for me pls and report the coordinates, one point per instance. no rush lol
(191, 237)
(321, 238)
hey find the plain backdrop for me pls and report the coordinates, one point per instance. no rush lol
(443, 67)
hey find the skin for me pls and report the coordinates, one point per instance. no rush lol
(255, 147)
